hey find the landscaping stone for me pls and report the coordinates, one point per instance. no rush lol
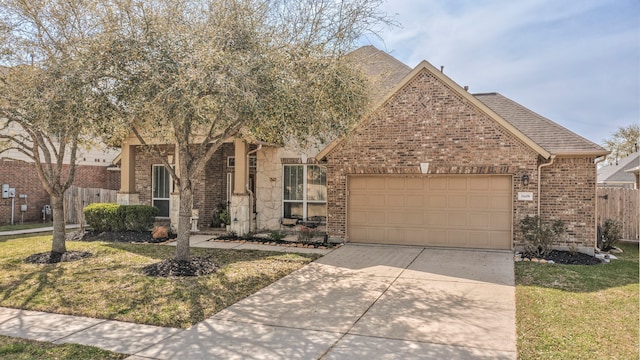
(160, 232)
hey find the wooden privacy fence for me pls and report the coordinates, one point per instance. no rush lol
(622, 205)
(76, 198)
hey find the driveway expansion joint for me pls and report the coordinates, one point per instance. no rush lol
(371, 305)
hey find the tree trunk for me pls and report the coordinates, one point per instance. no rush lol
(184, 222)
(59, 232)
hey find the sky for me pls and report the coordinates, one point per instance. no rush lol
(576, 62)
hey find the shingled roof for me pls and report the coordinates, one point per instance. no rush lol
(549, 135)
(387, 74)
(383, 70)
(619, 173)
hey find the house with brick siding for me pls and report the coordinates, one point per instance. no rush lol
(94, 170)
(429, 165)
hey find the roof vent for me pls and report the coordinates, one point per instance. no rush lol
(442, 69)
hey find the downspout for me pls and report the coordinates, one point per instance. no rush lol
(596, 192)
(251, 195)
(553, 157)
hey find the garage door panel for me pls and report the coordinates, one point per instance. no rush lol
(414, 218)
(480, 220)
(500, 222)
(438, 183)
(417, 201)
(457, 201)
(376, 217)
(473, 211)
(376, 183)
(394, 201)
(395, 183)
(376, 201)
(456, 219)
(415, 183)
(457, 183)
(358, 218)
(480, 184)
(479, 201)
(435, 219)
(437, 201)
(396, 218)
(500, 182)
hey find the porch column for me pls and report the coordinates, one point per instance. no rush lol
(239, 211)
(127, 194)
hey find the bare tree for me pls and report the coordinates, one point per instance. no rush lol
(198, 72)
(49, 102)
(623, 142)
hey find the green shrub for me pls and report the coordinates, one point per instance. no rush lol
(306, 235)
(611, 233)
(276, 235)
(103, 216)
(539, 237)
(224, 217)
(138, 217)
(114, 217)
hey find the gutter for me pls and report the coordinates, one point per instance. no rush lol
(553, 157)
(248, 188)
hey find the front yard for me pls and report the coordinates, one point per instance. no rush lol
(111, 285)
(579, 311)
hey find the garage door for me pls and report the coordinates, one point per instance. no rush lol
(454, 211)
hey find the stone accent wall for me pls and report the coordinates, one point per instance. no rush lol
(269, 188)
(569, 193)
(427, 122)
(23, 177)
(269, 180)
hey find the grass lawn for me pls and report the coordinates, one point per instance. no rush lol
(110, 285)
(579, 312)
(19, 349)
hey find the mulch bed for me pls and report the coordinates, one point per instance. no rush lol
(198, 266)
(116, 236)
(568, 258)
(54, 257)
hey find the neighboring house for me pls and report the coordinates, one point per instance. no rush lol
(430, 165)
(18, 171)
(621, 174)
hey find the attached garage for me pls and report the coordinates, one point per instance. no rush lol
(455, 211)
(433, 165)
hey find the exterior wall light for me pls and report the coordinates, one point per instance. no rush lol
(525, 180)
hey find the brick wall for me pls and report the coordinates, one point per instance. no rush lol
(427, 122)
(23, 177)
(568, 193)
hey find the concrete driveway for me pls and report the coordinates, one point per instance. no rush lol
(367, 302)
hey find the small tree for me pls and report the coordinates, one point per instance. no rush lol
(540, 237)
(49, 101)
(611, 233)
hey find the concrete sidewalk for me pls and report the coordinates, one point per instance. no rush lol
(35, 231)
(357, 302)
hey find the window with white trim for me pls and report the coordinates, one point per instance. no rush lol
(161, 189)
(305, 192)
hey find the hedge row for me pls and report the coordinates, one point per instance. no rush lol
(114, 217)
